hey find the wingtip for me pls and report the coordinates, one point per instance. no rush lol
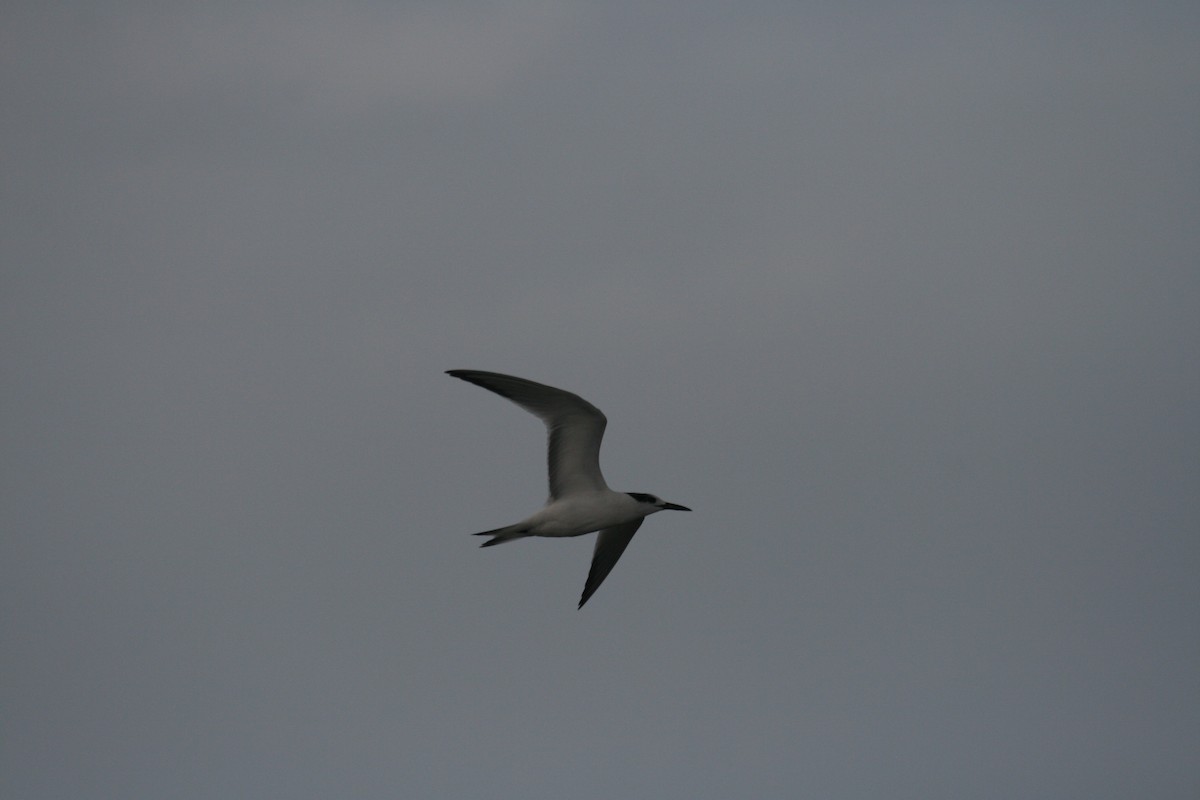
(474, 376)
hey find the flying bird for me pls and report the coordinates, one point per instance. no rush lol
(580, 501)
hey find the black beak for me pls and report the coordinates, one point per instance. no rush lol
(673, 507)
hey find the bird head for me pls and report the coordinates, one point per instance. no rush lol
(658, 503)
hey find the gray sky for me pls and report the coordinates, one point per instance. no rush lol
(900, 298)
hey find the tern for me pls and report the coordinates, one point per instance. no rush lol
(580, 501)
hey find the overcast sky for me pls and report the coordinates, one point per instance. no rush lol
(902, 299)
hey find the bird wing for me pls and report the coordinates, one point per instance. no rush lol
(575, 428)
(610, 544)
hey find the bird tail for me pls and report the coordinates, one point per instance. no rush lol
(501, 535)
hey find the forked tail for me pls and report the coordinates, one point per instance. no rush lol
(501, 535)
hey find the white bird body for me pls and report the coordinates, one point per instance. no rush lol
(580, 501)
(582, 513)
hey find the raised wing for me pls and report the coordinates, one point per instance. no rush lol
(610, 544)
(575, 428)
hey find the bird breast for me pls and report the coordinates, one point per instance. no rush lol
(583, 513)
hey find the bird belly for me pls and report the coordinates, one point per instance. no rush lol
(575, 516)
